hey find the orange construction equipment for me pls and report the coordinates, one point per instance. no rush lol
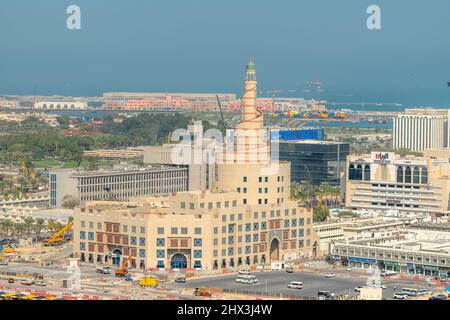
(202, 292)
(123, 272)
(57, 239)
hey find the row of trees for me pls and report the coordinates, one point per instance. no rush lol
(29, 227)
(317, 197)
(47, 142)
(311, 195)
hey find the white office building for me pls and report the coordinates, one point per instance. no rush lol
(421, 129)
(116, 184)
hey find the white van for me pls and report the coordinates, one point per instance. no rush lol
(246, 279)
(277, 266)
(295, 285)
(410, 292)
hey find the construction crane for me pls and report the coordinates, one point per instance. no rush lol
(123, 272)
(58, 239)
(221, 115)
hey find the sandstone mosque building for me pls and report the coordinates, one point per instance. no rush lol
(245, 219)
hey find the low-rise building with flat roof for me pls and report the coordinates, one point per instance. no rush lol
(115, 184)
(413, 250)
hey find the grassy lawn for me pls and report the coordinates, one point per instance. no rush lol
(47, 163)
(52, 163)
(84, 163)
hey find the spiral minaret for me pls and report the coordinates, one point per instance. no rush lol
(250, 139)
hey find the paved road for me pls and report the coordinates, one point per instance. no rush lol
(276, 282)
(271, 282)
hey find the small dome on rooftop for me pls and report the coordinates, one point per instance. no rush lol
(250, 65)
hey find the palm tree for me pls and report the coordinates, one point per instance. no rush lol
(39, 226)
(336, 192)
(19, 229)
(51, 225)
(6, 227)
(28, 222)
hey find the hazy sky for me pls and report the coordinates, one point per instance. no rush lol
(203, 45)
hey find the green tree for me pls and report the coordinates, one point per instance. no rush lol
(320, 213)
(69, 202)
(28, 222)
(39, 226)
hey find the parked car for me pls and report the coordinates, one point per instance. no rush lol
(10, 280)
(438, 297)
(27, 282)
(180, 280)
(244, 271)
(322, 295)
(348, 269)
(330, 275)
(40, 283)
(290, 270)
(4, 263)
(246, 279)
(422, 292)
(400, 296)
(410, 291)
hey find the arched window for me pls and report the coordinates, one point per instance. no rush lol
(366, 172)
(416, 175)
(351, 172)
(359, 172)
(399, 174)
(424, 175)
(408, 175)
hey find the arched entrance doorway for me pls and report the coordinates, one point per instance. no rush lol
(115, 255)
(178, 261)
(275, 250)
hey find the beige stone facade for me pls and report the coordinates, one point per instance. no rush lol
(246, 218)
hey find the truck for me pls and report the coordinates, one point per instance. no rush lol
(27, 282)
(277, 266)
(103, 269)
(385, 273)
(58, 238)
(148, 281)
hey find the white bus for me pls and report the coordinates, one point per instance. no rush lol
(410, 292)
(246, 279)
(295, 285)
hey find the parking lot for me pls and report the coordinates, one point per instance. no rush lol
(276, 282)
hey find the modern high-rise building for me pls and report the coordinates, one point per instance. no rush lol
(383, 180)
(421, 129)
(247, 218)
(315, 162)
